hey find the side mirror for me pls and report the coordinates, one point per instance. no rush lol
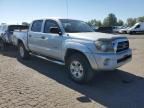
(55, 30)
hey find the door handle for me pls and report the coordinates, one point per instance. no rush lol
(43, 37)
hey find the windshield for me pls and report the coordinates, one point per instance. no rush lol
(75, 26)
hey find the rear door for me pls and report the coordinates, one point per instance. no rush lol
(35, 41)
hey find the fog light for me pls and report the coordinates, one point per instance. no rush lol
(106, 62)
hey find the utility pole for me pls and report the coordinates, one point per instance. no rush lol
(67, 6)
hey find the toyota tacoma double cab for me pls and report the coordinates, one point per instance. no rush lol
(75, 44)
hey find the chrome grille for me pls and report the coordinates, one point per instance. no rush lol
(122, 46)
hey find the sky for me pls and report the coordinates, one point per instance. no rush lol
(17, 11)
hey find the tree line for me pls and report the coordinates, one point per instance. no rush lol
(112, 20)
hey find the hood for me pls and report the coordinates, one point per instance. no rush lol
(93, 36)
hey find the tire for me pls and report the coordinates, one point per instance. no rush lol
(132, 32)
(2, 45)
(22, 52)
(79, 68)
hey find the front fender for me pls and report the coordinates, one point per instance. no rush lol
(76, 46)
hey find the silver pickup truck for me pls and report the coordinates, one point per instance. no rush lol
(74, 44)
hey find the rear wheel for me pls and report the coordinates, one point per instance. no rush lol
(23, 53)
(2, 45)
(79, 68)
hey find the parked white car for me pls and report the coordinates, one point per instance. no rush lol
(123, 30)
(117, 28)
(137, 28)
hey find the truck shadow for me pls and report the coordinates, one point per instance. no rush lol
(10, 51)
(111, 89)
(115, 89)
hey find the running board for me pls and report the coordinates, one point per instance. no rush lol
(48, 59)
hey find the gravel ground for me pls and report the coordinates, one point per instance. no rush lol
(40, 84)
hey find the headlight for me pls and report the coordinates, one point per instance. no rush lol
(104, 45)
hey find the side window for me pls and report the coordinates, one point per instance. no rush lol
(138, 26)
(49, 24)
(36, 26)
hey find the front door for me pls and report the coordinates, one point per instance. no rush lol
(52, 42)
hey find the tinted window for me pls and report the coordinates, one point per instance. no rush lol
(138, 26)
(36, 27)
(17, 27)
(49, 24)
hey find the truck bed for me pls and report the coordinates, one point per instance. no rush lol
(18, 35)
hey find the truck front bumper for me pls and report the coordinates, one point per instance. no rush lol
(104, 61)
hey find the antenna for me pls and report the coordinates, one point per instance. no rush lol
(67, 6)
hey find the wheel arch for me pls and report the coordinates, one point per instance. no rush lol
(71, 51)
(19, 41)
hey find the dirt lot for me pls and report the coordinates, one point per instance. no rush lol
(41, 84)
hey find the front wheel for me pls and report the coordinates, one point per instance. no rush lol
(23, 53)
(79, 68)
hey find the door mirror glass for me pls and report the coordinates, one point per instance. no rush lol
(55, 30)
